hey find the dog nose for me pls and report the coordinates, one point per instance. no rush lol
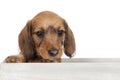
(53, 52)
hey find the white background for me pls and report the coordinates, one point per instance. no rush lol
(95, 24)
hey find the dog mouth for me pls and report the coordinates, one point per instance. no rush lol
(50, 57)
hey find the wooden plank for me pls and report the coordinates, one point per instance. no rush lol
(94, 69)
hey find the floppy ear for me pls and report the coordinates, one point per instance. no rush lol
(69, 43)
(25, 41)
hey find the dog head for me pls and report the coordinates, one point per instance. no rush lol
(47, 35)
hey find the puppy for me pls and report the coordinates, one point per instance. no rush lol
(43, 39)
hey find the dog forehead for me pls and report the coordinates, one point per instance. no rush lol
(46, 19)
(47, 14)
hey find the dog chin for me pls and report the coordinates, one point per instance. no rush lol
(51, 58)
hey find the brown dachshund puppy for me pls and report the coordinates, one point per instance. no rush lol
(43, 39)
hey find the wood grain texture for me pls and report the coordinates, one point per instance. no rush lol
(94, 69)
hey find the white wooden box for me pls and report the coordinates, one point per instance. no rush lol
(69, 69)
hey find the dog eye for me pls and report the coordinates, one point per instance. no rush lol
(60, 32)
(40, 34)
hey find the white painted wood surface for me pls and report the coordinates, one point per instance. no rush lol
(74, 69)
